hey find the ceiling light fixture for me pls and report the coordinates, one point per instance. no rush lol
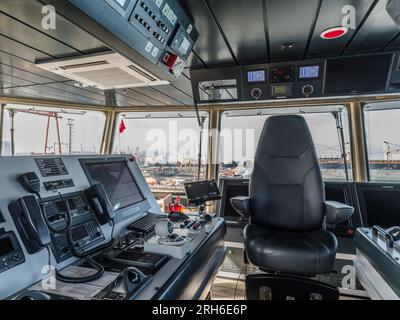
(334, 33)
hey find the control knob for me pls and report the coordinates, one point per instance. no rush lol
(256, 93)
(133, 276)
(308, 90)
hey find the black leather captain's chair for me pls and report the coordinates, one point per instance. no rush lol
(286, 209)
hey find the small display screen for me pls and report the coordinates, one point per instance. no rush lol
(256, 76)
(117, 180)
(282, 91)
(282, 74)
(79, 233)
(185, 46)
(122, 3)
(119, 5)
(201, 191)
(6, 246)
(310, 72)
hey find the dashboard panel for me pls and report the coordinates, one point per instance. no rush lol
(76, 215)
(306, 79)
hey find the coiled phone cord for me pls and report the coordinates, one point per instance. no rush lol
(76, 251)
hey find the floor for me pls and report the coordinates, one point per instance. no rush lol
(228, 289)
(230, 284)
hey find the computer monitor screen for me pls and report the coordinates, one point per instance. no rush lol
(117, 180)
(381, 207)
(360, 74)
(202, 191)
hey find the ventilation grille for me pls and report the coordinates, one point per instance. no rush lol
(84, 65)
(50, 167)
(143, 73)
(109, 77)
(104, 71)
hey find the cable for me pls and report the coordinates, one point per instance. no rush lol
(76, 250)
(237, 284)
(68, 218)
(112, 230)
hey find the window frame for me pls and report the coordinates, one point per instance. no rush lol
(317, 109)
(375, 106)
(50, 108)
(206, 150)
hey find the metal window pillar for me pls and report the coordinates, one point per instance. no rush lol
(358, 148)
(109, 126)
(2, 108)
(107, 141)
(212, 154)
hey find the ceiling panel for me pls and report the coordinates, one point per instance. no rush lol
(27, 66)
(20, 50)
(394, 44)
(20, 73)
(144, 100)
(10, 81)
(30, 13)
(184, 85)
(290, 21)
(46, 93)
(236, 25)
(194, 62)
(124, 100)
(211, 46)
(176, 94)
(377, 31)
(330, 15)
(156, 94)
(15, 30)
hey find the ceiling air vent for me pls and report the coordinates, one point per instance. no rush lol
(104, 71)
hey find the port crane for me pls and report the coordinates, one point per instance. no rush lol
(50, 115)
(389, 149)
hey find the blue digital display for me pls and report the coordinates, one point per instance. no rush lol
(310, 72)
(256, 76)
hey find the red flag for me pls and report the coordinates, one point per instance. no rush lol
(122, 126)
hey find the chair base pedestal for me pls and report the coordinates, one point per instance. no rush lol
(286, 287)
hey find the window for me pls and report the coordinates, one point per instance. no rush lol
(36, 133)
(382, 133)
(241, 130)
(166, 146)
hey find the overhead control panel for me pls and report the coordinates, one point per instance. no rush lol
(280, 81)
(159, 30)
(359, 75)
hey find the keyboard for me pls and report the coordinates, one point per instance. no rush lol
(146, 224)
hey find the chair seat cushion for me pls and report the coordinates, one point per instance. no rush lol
(305, 253)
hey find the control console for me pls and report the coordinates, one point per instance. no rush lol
(378, 261)
(11, 254)
(85, 229)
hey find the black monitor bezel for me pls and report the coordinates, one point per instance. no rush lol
(219, 197)
(380, 186)
(83, 163)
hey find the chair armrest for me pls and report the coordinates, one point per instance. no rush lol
(337, 212)
(242, 206)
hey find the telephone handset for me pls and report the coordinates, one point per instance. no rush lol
(32, 221)
(28, 217)
(100, 203)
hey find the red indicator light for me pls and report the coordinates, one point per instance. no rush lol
(334, 33)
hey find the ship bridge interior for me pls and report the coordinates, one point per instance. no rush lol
(194, 149)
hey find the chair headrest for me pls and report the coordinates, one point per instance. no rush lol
(285, 136)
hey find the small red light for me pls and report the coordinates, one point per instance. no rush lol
(333, 33)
